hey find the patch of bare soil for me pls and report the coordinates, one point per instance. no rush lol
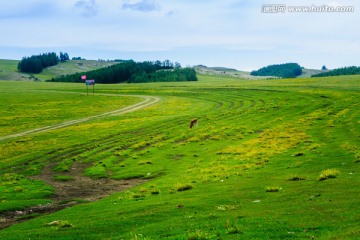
(79, 189)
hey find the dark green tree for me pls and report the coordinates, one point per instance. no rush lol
(287, 70)
(36, 63)
(134, 72)
(353, 70)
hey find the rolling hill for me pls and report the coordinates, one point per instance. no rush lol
(223, 71)
(8, 69)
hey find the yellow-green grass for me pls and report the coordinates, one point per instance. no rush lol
(208, 182)
(25, 109)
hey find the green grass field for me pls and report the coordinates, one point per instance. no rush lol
(269, 159)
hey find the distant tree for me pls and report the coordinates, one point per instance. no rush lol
(134, 72)
(77, 58)
(167, 64)
(287, 70)
(177, 65)
(324, 68)
(61, 56)
(36, 63)
(340, 71)
(64, 57)
(158, 64)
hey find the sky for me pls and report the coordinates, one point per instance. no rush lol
(241, 34)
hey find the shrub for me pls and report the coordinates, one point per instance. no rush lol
(296, 178)
(328, 173)
(183, 187)
(272, 189)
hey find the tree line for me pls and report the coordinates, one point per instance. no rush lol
(37, 63)
(339, 71)
(286, 70)
(134, 72)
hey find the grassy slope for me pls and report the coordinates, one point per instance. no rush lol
(8, 69)
(309, 72)
(251, 135)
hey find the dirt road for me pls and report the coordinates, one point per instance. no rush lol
(148, 100)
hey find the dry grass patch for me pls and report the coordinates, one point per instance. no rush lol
(329, 173)
(270, 143)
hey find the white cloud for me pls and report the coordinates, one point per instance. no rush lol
(142, 6)
(87, 8)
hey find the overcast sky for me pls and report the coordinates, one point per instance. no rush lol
(229, 33)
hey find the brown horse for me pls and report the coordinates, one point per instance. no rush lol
(193, 122)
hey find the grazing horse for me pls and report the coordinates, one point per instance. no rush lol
(193, 122)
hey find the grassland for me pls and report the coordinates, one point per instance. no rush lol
(269, 159)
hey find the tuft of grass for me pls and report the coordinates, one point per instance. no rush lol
(138, 195)
(63, 178)
(183, 187)
(64, 166)
(231, 227)
(272, 189)
(19, 189)
(138, 237)
(154, 190)
(145, 162)
(198, 235)
(296, 178)
(329, 173)
(59, 224)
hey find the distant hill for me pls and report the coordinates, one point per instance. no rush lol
(306, 73)
(9, 71)
(223, 71)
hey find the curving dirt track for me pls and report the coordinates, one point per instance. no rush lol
(80, 187)
(148, 100)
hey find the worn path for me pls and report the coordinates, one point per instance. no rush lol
(148, 100)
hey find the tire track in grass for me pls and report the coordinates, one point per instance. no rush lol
(148, 101)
